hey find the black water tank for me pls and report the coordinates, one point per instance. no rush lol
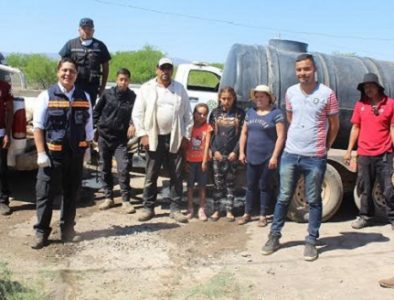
(249, 65)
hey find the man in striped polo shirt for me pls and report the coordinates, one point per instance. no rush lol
(312, 112)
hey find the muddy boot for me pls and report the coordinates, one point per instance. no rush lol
(178, 216)
(4, 209)
(128, 208)
(40, 241)
(70, 237)
(360, 222)
(146, 215)
(108, 203)
(387, 283)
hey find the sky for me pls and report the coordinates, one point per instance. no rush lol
(201, 30)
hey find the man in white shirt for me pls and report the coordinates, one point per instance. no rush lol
(63, 130)
(163, 121)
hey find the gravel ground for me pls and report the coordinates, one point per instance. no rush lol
(121, 258)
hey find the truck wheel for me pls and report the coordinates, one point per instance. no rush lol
(332, 194)
(378, 199)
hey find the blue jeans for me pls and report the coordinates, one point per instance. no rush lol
(292, 166)
(260, 187)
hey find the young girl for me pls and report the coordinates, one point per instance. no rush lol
(226, 121)
(197, 158)
(263, 136)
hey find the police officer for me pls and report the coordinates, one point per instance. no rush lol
(91, 56)
(63, 129)
(112, 115)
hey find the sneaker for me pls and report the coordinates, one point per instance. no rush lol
(387, 283)
(360, 222)
(40, 241)
(271, 245)
(310, 252)
(201, 215)
(128, 208)
(108, 203)
(5, 209)
(146, 215)
(178, 216)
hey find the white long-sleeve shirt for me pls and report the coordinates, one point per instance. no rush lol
(41, 106)
(145, 114)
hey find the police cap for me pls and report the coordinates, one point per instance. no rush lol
(86, 22)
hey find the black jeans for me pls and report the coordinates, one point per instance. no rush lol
(4, 188)
(173, 162)
(107, 151)
(62, 178)
(372, 168)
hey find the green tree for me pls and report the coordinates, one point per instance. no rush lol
(218, 65)
(40, 70)
(141, 63)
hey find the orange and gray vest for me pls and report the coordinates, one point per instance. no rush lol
(65, 122)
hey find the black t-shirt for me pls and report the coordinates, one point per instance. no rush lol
(226, 129)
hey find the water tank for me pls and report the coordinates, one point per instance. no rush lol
(249, 65)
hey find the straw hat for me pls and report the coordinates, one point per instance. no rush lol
(262, 88)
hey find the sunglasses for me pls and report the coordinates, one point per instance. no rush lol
(166, 67)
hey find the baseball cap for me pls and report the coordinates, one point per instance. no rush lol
(165, 61)
(86, 22)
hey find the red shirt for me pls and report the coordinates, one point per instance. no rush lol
(196, 146)
(5, 99)
(374, 138)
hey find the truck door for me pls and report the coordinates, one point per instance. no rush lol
(202, 87)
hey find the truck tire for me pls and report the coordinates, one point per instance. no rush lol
(332, 194)
(378, 199)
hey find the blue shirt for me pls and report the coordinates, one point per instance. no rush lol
(261, 134)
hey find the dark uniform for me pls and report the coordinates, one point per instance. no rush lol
(112, 114)
(65, 138)
(89, 60)
(5, 99)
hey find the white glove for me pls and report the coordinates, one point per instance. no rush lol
(43, 160)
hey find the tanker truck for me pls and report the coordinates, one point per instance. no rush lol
(249, 65)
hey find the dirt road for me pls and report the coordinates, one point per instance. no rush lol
(120, 258)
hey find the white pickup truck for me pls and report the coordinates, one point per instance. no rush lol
(200, 80)
(21, 154)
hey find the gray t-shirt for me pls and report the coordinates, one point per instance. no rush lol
(307, 133)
